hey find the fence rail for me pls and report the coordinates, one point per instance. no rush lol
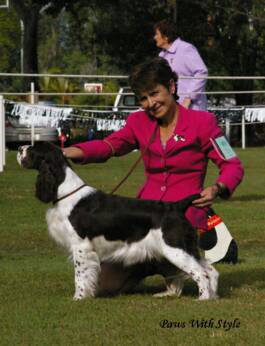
(116, 93)
(55, 75)
(34, 95)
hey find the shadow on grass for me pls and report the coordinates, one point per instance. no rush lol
(235, 279)
(244, 198)
(248, 198)
(240, 277)
(152, 285)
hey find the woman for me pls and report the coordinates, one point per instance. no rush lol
(185, 60)
(176, 144)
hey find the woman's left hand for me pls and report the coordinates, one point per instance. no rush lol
(208, 195)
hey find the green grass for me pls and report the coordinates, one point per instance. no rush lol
(36, 278)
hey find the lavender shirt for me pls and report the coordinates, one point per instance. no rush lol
(185, 60)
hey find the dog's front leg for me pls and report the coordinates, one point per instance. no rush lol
(213, 277)
(192, 267)
(87, 268)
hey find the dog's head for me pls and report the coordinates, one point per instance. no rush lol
(48, 159)
(32, 156)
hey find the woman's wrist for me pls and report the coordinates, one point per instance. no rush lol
(216, 190)
(221, 190)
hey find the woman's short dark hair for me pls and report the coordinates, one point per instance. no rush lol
(167, 28)
(147, 75)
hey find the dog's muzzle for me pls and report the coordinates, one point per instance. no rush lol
(22, 155)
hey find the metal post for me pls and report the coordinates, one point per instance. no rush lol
(243, 130)
(32, 101)
(6, 5)
(2, 122)
(227, 128)
(21, 46)
(2, 135)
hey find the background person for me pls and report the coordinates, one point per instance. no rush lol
(185, 60)
(176, 144)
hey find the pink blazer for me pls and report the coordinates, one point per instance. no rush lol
(179, 169)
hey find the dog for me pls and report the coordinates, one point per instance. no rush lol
(96, 227)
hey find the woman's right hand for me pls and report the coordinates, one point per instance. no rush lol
(73, 153)
(208, 195)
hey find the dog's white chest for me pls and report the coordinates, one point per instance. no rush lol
(60, 228)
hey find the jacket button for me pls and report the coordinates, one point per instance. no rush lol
(163, 188)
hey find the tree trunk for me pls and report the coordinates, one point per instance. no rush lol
(29, 15)
(30, 46)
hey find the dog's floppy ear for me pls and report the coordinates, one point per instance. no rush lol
(46, 184)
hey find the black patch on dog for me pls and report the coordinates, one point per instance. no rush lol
(50, 162)
(130, 219)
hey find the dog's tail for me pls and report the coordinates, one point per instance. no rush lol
(186, 202)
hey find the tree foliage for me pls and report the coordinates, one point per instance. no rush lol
(29, 13)
(237, 40)
(109, 36)
(9, 40)
(127, 34)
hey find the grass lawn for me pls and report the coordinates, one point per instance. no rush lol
(36, 278)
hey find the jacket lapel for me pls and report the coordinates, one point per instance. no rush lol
(178, 138)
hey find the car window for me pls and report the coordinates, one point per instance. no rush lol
(130, 100)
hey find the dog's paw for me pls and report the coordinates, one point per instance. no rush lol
(165, 294)
(207, 295)
(78, 296)
(214, 296)
(204, 297)
(173, 290)
(204, 294)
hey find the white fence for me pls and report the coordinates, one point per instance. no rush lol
(33, 96)
(2, 134)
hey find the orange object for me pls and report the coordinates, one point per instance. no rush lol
(62, 139)
(213, 221)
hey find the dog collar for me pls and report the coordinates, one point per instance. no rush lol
(69, 194)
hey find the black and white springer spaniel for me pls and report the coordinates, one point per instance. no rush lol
(94, 227)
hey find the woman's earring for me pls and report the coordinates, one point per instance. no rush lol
(172, 87)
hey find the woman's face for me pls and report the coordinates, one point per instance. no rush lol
(159, 101)
(161, 40)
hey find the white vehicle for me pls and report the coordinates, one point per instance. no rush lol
(125, 101)
(43, 118)
(23, 134)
